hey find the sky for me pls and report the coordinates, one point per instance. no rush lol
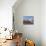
(27, 17)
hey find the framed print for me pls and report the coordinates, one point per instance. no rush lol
(28, 20)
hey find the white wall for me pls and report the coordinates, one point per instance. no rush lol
(43, 22)
(38, 30)
(6, 13)
(29, 8)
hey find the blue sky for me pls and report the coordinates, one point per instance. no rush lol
(27, 17)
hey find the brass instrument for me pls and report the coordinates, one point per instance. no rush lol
(29, 43)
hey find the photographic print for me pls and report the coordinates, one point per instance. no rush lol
(28, 19)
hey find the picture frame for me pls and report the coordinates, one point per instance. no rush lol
(28, 20)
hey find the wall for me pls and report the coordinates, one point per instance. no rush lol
(43, 22)
(29, 8)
